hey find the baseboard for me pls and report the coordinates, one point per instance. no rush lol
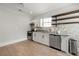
(11, 42)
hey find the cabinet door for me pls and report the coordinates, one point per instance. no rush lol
(41, 37)
(46, 39)
(64, 43)
(35, 36)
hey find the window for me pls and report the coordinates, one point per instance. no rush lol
(46, 22)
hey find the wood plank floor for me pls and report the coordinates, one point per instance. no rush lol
(29, 48)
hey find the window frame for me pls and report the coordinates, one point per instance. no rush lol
(42, 22)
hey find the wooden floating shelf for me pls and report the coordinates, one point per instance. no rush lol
(66, 23)
(67, 13)
(66, 18)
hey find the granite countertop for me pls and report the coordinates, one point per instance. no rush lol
(52, 33)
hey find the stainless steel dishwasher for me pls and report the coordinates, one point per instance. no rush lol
(55, 41)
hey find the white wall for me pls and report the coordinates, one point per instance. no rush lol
(13, 24)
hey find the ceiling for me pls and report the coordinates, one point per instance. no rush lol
(40, 8)
(35, 9)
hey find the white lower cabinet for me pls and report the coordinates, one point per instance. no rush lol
(64, 44)
(36, 36)
(41, 37)
(44, 39)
